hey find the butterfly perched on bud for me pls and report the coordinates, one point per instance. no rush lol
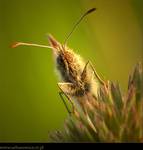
(78, 78)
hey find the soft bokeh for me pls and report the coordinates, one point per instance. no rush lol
(112, 38)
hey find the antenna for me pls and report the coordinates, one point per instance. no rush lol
(29, 44)
(14, 45)
(76, 24)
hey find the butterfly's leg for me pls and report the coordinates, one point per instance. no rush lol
(64, 89)
(61, 96)
(96, 74)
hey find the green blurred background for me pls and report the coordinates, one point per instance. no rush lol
(112, 38)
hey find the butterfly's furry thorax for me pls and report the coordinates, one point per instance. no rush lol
(68, 65)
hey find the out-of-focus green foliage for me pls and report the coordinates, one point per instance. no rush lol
(116, 117)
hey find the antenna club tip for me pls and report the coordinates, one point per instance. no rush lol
(14, 45)
(91, 10)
